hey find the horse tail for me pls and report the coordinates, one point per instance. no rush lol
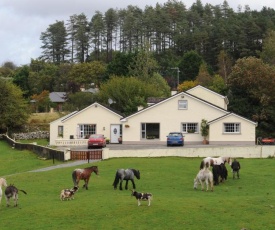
(116, 180)
(74, 177)
(202, 164)
(22, 191)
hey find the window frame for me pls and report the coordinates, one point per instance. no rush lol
(60, 130)
(84, 132)
(182, 104)
(148, 132)
(187, 127)
(236, 128)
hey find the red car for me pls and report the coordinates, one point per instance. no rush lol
(268, 141)
(96, 140)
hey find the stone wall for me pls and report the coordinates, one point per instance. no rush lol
(31, 135)
(40, 151)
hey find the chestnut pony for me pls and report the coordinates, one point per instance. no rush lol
(83, 174)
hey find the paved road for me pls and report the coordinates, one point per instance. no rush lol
(69, 164)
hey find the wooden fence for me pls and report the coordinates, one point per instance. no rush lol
(95, 154)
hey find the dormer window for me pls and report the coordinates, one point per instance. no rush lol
(182, 104)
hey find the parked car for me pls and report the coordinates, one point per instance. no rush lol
(96, 140)
(175, 138)
(268, 141)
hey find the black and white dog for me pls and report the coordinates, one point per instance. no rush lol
(142, 196)
(12, 192)
(68, 193)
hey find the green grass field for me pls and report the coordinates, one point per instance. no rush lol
(245, 203)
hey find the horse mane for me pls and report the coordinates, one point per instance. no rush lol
(93, 166)
(202, 164)
(135, 171)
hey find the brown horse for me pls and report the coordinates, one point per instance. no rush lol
(83, 174)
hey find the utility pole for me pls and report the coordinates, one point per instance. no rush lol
(178, 75)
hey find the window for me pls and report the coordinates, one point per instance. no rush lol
(182, 104)
(149, 130)
(60, 130)
(190, 127)
(231, 127)
(86, 130)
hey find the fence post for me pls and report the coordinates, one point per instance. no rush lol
(53, 156)
(88, 156)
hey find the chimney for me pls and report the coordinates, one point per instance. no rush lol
(173, 92)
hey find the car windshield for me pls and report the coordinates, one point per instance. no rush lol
(96, 136)
(174, 134)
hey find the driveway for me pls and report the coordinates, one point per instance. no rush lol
(159, 145)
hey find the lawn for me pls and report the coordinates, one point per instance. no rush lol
(245, 203)
(43, 142)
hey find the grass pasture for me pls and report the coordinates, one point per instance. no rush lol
(245, 203)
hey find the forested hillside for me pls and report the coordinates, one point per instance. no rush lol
(147, 52)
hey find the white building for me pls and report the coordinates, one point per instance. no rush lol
(182, 112)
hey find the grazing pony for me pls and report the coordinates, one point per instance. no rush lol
(3, 182)
(126, 174)
(220, 173)
(204, 176)
(12, 192)
(215, 161)
(142, 196)
(83, 174)
(68, 193)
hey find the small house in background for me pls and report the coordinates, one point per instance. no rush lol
(58, 99)
(94, 119)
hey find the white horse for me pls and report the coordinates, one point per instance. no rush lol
(204, 176)
(215, 161)
(3, 182)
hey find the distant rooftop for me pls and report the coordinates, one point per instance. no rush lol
(57, 96)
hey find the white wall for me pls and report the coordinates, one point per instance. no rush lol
(170, 118)
(94, 114)
(233, 152)
(247, 132)
(209, 96)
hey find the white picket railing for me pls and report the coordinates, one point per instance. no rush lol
(71, 142)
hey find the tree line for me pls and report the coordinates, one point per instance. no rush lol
(133, 54)
(171, 30)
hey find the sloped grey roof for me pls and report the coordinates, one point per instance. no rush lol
(57, 96)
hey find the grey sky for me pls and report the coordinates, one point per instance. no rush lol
(22, 21)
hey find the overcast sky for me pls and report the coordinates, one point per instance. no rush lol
(22, 21)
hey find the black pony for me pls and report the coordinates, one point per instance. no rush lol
(126, 174)
(219, 172)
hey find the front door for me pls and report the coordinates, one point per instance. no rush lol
(115, 133)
